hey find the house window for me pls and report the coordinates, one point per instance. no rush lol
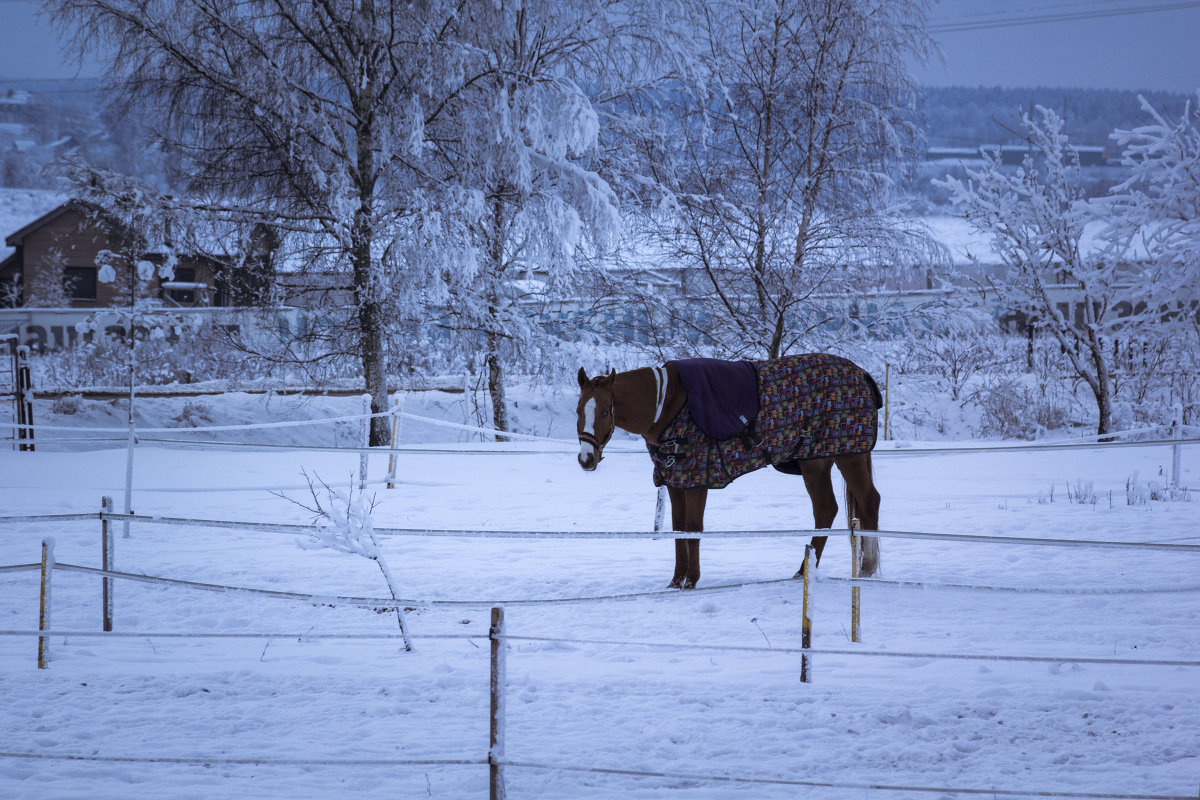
(183, 296)
(80, 283)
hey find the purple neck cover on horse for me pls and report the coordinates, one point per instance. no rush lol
(722, 396)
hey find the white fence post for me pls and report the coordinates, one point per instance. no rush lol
(397, 410)
(365, 438)
(660, 508)
(496, 739)
(44, 606)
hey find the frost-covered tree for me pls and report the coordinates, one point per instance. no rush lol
(1037, 215)
(779, 169)
(1158, 207)
(437, 151)
(308, 117)
(47, 286)
(514, 146)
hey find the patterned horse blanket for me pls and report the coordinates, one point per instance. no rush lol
(809, 406)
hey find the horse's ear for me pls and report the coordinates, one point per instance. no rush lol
(583, 378)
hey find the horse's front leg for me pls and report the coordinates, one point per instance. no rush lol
(819, 484)
(687, 515)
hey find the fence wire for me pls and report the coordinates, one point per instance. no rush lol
(857, 786)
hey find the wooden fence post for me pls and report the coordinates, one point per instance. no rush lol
(806, 621)
(107, 547)
(44, 607)
(887, 397)
(496, 744)
(1176, 434)
(855, 591)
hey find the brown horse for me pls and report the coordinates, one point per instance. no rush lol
(652, 401)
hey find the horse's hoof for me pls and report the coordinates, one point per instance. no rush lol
(676, 583)
(689, 584)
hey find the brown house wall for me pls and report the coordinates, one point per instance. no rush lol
(74, 240)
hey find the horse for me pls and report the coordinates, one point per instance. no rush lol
(705, 422)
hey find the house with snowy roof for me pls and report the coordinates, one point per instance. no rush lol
(56, 259)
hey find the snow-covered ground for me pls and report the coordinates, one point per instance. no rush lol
(289, 717)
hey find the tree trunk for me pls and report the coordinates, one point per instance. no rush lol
(367, 289)
(374, 364)
(495, 367)
(496, 389)
(1103, 387)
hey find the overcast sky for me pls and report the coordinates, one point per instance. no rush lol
(1060, 43)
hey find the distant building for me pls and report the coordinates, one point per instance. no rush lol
(56, 261)
(1013, 155)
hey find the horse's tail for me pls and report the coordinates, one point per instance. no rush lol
(870, 544)
(876, 395)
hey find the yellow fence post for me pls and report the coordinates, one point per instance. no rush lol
(855, 591)
(806, 620)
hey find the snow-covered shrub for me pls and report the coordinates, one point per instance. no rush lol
(955, 348)
(194, 415)
(1082, 492)
(67, 404)
(1010, 409)
(185, 356)
(343, 521)
(1140, 493)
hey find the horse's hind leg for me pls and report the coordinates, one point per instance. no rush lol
(863, 502)
(817, 480)
(687, 515)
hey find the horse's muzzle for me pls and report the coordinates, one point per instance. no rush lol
(589, 455)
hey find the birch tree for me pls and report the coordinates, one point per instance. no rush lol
(308, 117)
(1037, 215)
(515, 145)
(1158, 208)
(780, 172)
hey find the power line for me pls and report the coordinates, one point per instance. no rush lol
(1059, 16)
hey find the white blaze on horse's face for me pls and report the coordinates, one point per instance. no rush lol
(595, 419)
(587, 453)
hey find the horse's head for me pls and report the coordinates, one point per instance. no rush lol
(594, 417)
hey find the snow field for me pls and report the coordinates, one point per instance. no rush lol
(301, 704)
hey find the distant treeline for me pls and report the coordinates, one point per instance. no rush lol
(968, 117)
(72, 117)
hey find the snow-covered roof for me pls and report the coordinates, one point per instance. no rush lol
(963, 242)
(18, 207)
